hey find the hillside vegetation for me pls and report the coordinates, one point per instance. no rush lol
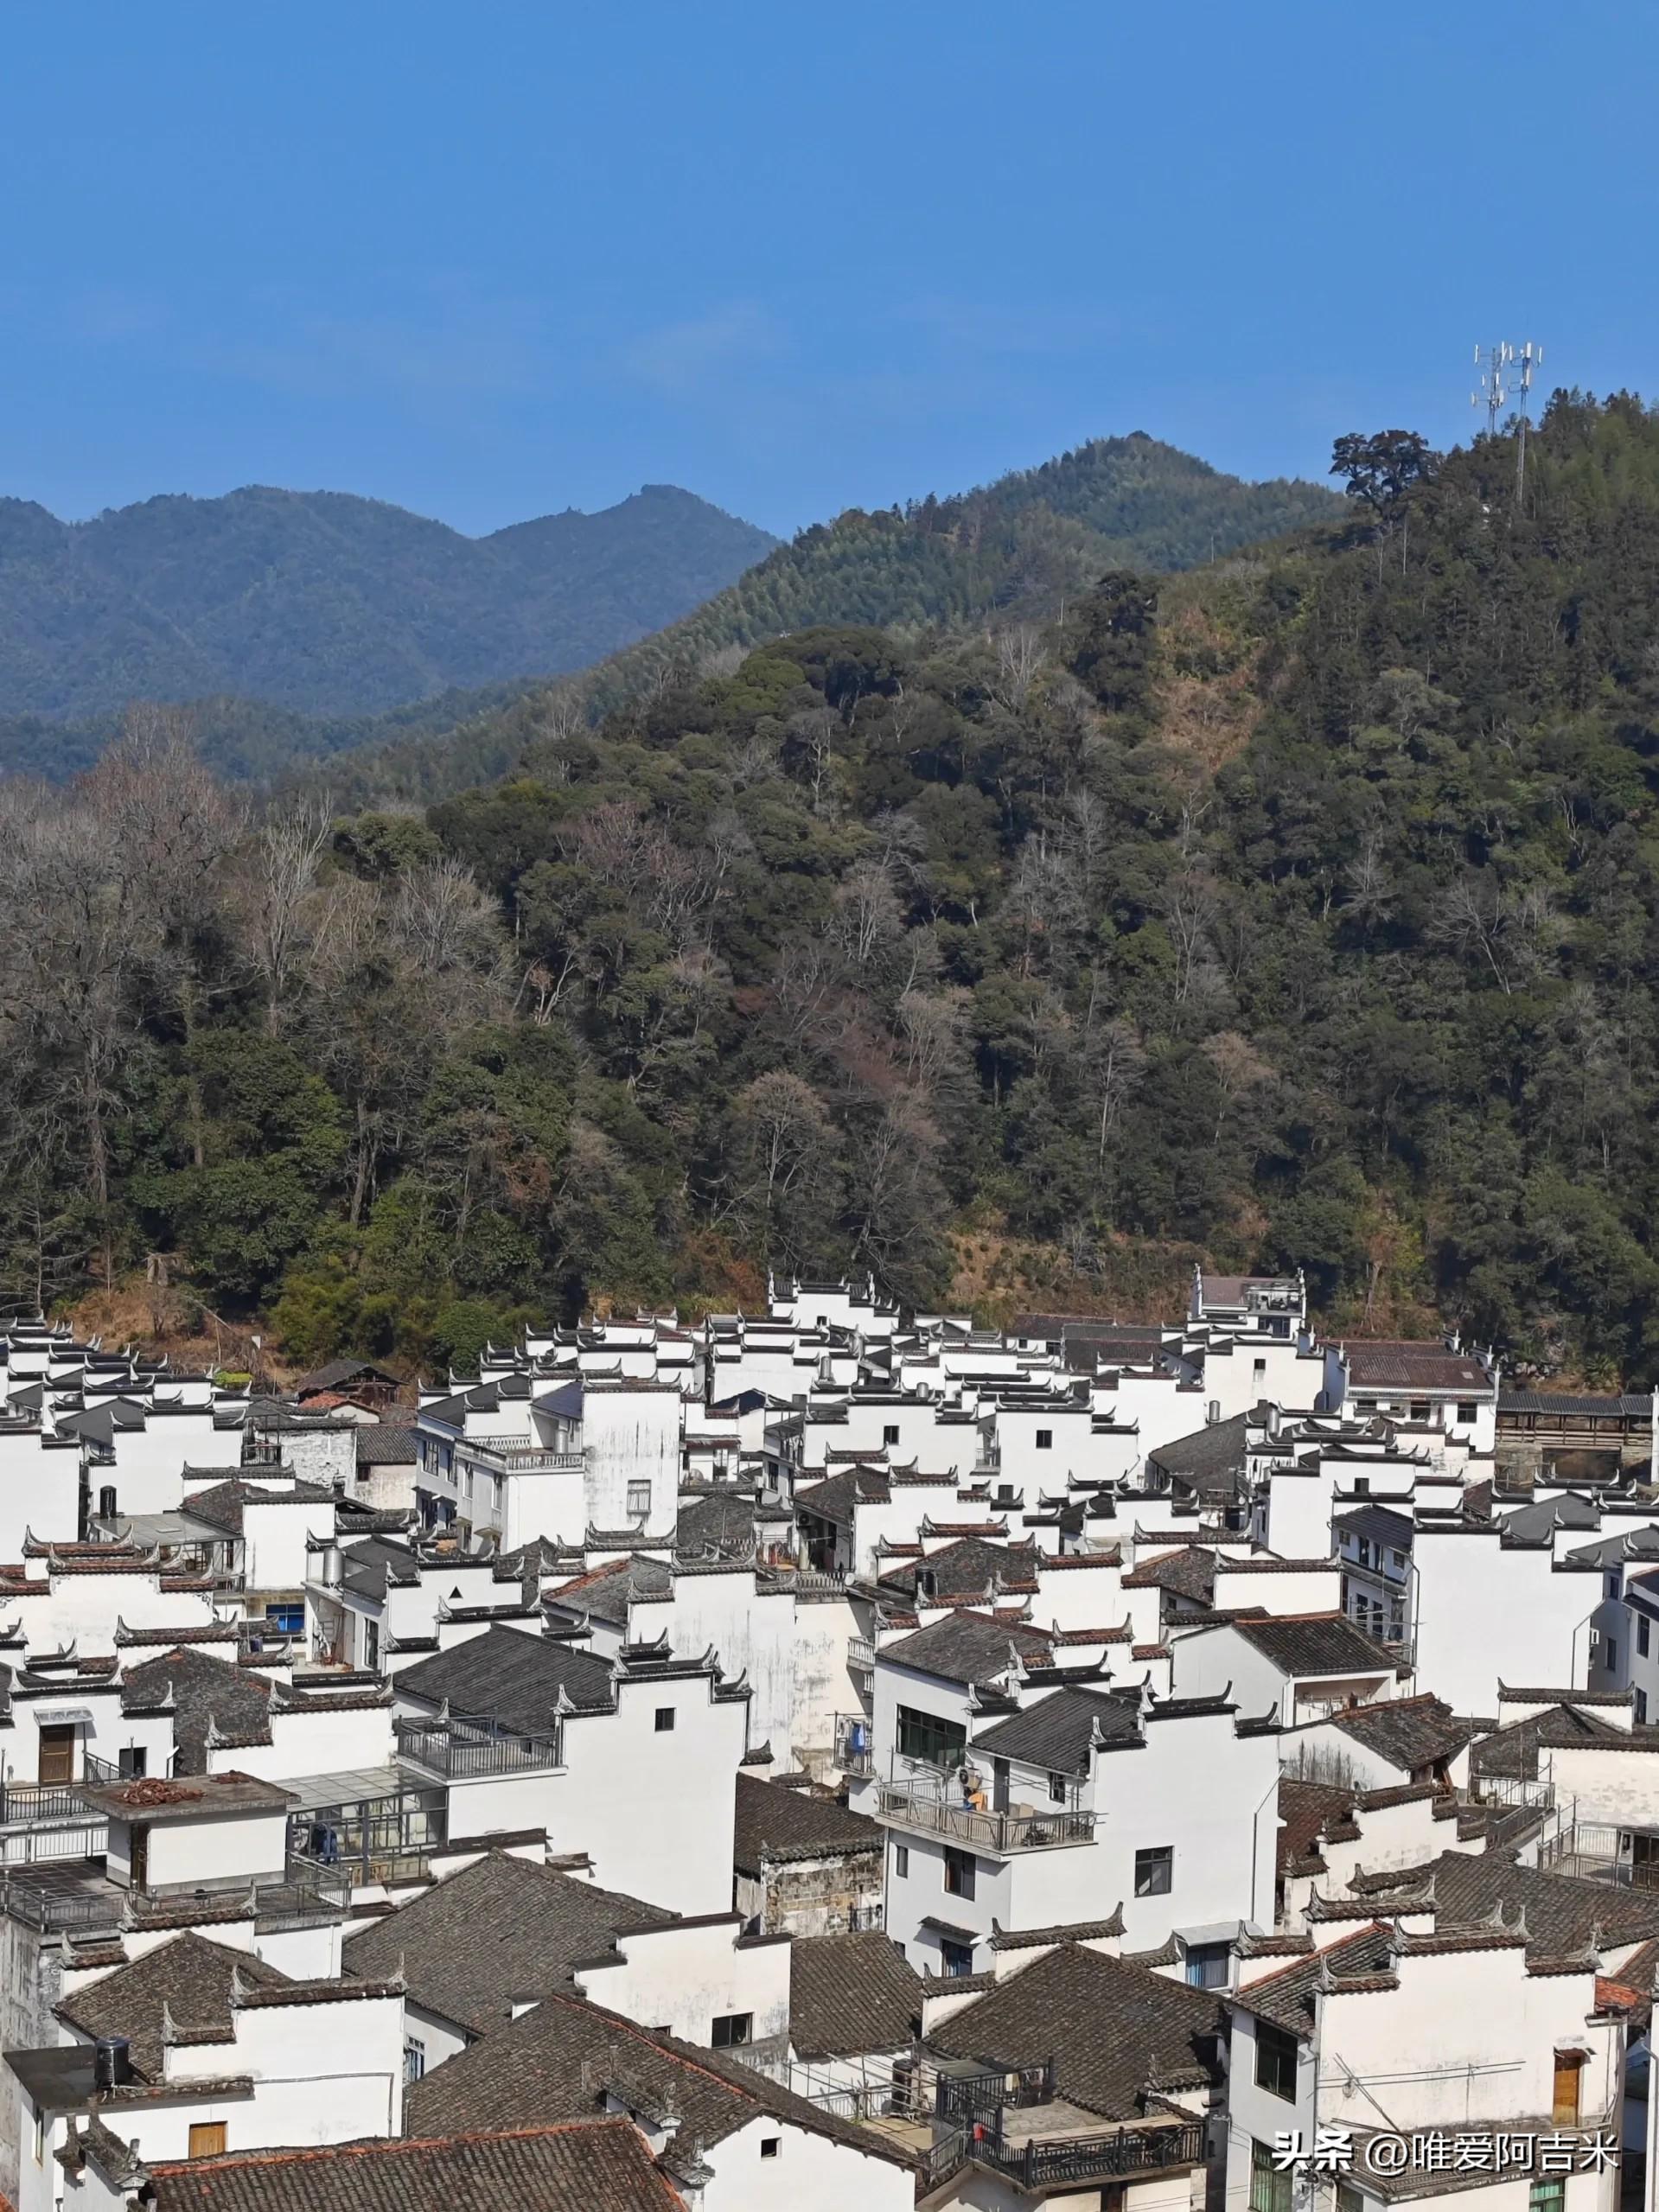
(320, 604)
(1016, 549)
(1304, 908)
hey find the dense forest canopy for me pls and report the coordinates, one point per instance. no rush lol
(1017, 550)
(1304, 909)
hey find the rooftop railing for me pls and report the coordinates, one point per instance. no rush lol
(1598, 1851)
(924, 1809)
(459, 1748)
(520, 1455)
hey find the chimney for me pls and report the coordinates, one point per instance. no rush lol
(111, 2062)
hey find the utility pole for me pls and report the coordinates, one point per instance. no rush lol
(1529, 358)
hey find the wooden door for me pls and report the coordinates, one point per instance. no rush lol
(57, 1754)
(207, 2138)
(1564, 2105)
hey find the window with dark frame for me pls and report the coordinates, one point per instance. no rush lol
(960, 1868)
(1045, 1439)
(924, 1735)
(731, 2031)
(664, 1720)
(1155, 1871)
(1276, 2060)
(890, 1432)
(955, 1959)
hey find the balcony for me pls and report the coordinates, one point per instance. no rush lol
(1597, 1850)
(854, 1752)
(861, 1655)
(1013, 2123)
(520, 1455)
(462, 1750)
(923, 1808)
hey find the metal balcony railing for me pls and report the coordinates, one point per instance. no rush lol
(854, 1744)
(1039, 2164)
(965, 2097)
(30, 1803)
(459, 1748)
(925, 1811)
(1598, 1851)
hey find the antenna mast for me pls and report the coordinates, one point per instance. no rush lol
(1506, 371)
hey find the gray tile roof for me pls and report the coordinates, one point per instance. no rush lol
(188, 1982)
(207, 1692)
(850, 1995)
(1116, 2032)
(966, 1568)
(1562, 1912)
(1056, 1731)
(222, 1505)
(1287, 1997)
(503, 1928)
(1411, 1733)
(1210, 1460)
(552, 2063)
(1190, 1572)
(385, 1443)
(967, 1646)
(1316, 1643)
(591, 2164)
(776, 1823)
(511, 1677)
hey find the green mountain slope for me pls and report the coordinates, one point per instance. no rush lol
(322, 603)
(1300, 910)
(1019, 547)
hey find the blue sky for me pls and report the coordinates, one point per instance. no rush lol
(493, 259)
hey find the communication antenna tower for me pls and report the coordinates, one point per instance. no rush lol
(1506, 372)
(1493, 380)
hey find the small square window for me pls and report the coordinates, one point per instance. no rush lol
(664, 1720)
(771, 2146)
(901, 1862)
(731, 2031)
(890, 1434)
(1155, 1872)
(639, 1501)
(133, 1762)
(1045, 1439)
(1466, 1411)
(1547, 2196)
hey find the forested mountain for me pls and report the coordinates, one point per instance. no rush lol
(1304, 908)
(1018, 548)
(322, 603)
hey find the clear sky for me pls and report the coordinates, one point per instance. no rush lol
(490, 259)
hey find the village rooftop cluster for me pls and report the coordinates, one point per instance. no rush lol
(831, 1758)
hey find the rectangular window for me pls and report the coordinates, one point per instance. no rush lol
(1364, 1551)
(1045, 1439)
(901, 1862)
(414, 2058)
(287, 1620)
(1401, 1560)
(955, 1959)
(890, 1434)
(1643, 1633)
(959, 1872)
(771, 2146)
(731, 2031)
(1420, 1408)
(1155, 1871)
(1642, 1707)
(1611, 1659)
(1276, 2060)
(1209, 1964)
(1270, 2190)
(207, 2139)
(639, 1501)
(1057, 1789)
(924, 1735)
(133, 1761)
(1467, 1410)
(664, 1720)
(1548, 2196)
(1349, 2200)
